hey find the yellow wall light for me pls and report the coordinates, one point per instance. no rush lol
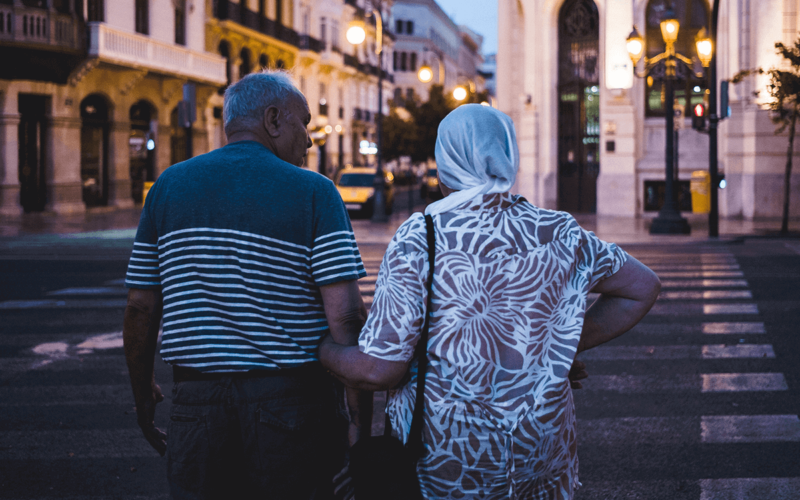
(459, 93)
(425, 74)
(356, 32)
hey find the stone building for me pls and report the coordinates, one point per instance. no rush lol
(89, 93)
(427, 36)
(592, 136)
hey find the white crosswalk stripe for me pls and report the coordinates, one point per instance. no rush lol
(699, 310)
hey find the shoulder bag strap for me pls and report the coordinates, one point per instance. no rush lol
(415, 433)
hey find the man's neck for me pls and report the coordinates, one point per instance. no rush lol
(249, 136)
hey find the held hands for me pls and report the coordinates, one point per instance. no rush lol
(576, 373)
(145, 416)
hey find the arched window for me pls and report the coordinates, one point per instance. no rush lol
(279, 64)
(413, 62)
(94, 149)
(263, 61)
(142, 144)
(693, 16)
(246, 66)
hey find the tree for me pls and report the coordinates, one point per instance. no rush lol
(784, 90)
(412, 131)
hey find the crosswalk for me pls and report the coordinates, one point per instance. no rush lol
(691, 380)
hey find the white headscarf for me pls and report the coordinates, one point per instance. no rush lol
(476, 154)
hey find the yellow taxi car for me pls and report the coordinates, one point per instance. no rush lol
(356, 188)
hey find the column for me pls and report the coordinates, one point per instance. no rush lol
(9, 165)
(119, 170)
(64, 188)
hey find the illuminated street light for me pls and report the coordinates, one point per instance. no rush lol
(425, 74)
(635, 46)
(356, 32)
(459, 93)
(705, 48)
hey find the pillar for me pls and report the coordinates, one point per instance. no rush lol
(9, 165)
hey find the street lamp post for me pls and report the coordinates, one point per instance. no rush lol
(356, 35)
(669, 220)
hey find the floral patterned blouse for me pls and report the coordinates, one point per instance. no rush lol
(509, 295)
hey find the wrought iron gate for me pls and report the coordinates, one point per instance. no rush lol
(578, 106)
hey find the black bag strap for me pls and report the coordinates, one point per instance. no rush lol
(414, 442)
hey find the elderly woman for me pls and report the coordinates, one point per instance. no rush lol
(509, 315)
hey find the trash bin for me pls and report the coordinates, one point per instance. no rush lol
(148, 185)
(701, 192)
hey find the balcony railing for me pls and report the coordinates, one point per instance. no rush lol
(131, 49)
(27, 25)
(310, 43)
(226, 10)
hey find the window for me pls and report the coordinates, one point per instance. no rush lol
(306, 22)
(180, 21)
(398, 27)
(246, 66)
(225, 51)
(410, 94)
(335, 35)
(279, 11)
(403, 61)
(409, 27)
(693, 16)
(398, 96)
(95, 11)
(263, 61)
(413, 62)
(394, 61)
(142, 17)
(323, 31)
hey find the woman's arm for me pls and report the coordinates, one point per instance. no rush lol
(358, 370)
(625, 297)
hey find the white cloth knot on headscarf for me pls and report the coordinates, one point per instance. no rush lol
(476, 154)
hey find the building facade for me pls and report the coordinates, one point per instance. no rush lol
(427, 36)
(89, 94)
(592, 136)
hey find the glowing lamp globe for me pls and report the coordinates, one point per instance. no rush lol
(670, 27)
(356, 32)
(425, 74)
(459, 93)
(635, 46)
(704, 47)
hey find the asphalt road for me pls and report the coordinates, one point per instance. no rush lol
(700, 401)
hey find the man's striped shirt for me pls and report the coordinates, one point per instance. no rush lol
(239, 243)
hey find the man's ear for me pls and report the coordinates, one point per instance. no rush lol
(272, 121)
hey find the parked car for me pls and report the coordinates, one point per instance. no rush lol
(356, 187)
(430, 185)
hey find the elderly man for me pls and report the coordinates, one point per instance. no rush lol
(250, 261)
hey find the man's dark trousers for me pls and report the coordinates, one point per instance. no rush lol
(276, 436)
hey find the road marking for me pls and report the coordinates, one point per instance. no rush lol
(90, 291)
(703, 284)
(694, 267)
(757, 488)
(706, 295)
(703, 274)
(750, 429)
(662, 352)
(707, 382)
(740, 351)
(64, 304)
(97, 443)
(733, 328)
(743, 382)
(730, 309)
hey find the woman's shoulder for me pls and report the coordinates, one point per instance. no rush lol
(411, 237)
(545, 225)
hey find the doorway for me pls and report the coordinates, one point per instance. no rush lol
(142, 146)
(32, 144)
(578, 106)
(94, 150)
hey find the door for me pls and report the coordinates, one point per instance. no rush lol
(141, 148)
(32, 152)
(94, 150)
(578, 106)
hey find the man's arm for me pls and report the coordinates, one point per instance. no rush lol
(625, 298)
(346, 315)
(140, 338)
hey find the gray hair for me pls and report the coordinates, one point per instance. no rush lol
(247, 100)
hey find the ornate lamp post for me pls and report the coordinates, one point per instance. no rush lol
(356, 34)
(669, 220)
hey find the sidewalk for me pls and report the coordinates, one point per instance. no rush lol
(121, 225)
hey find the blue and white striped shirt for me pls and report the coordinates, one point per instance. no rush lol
(239, 243)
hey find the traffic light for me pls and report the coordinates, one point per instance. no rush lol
(699, 117)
